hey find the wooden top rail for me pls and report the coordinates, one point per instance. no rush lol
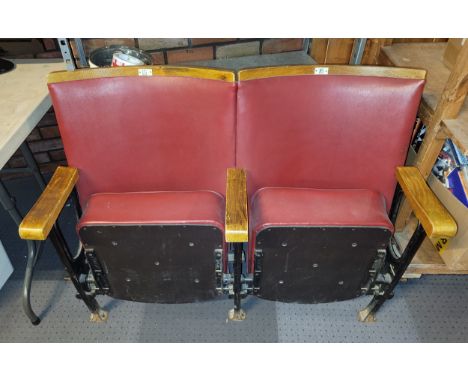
(141, 71)
(349, 70)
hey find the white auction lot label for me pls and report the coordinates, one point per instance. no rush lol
(145, 72)
(322, 70)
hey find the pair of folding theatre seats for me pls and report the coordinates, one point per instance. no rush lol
(309, 156)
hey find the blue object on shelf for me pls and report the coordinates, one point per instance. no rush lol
(456, 186)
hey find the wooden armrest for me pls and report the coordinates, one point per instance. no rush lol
(433, 216)
(237, 222)
(40, 219)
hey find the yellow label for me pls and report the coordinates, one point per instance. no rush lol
(440, 244)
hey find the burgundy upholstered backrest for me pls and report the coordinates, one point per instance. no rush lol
(325, 131)
(170, 131)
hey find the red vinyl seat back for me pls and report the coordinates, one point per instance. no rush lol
(346, 131)
(170, 131)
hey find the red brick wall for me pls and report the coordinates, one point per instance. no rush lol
(29, 48)
(45, 144)
(45, 141)
(176, 50)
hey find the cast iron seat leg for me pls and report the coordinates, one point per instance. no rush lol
(237, 314)
(399, 267)
(98, 314)
(33, 250)
(32, 258)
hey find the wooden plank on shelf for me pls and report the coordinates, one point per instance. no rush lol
(457, 130)
(425, 112)
(443, 101)
(427, 260)
(450, 103)
(454, 95)
(372, 50)
(427, 56)
(339, 50)
(318, 50)
(332, 50)
(413, 40)
(451, 52)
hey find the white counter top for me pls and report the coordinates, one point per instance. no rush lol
(24, 99)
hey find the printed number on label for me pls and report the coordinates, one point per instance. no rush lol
(323, 70)
(145, 72)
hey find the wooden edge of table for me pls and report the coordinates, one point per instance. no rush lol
(142, 71)
(40, 219)
(434, 217)
(237, 224)
(349, 70)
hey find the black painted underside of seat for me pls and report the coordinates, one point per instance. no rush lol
(156, 263)
(316, 264)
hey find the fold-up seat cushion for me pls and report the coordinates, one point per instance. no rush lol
(155, 246)
(164, 207)
(314, 245)
(284, 206)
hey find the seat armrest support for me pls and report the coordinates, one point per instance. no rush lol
(39, 221)
(236, 223)
(433, 216)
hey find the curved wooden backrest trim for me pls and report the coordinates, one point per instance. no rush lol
(136, 71)
(345, 70)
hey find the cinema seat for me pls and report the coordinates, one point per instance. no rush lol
(321, 147)
(148, 149)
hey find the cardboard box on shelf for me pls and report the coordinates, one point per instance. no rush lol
(454, 251)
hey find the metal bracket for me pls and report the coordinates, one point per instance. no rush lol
(377, 273)
(96, 280)
(81, 53)
(382, 289)
(225, 281)
(257, 270)
(66, 53)
(219, 270)
(358, 51)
